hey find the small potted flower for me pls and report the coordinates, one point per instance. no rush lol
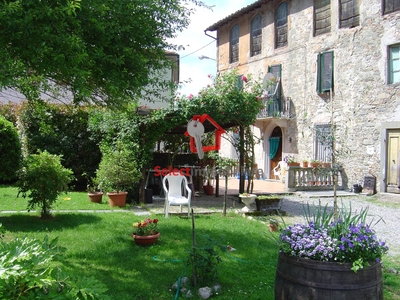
(273, 225)
(304, 163)
(314, 163)
(291, 161)
(146, 231)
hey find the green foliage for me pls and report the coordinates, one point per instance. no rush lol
(118, 169)
(44, 177)
(226, 99)
(100, 51)
(10, 150)
(10, 111)
(62, 130)
(27, 271)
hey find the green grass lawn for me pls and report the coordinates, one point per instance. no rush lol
(100, 245)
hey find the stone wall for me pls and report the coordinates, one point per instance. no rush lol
(362, 100)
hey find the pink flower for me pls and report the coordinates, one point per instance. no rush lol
(244, 78)
(190, 96)
(209, 75)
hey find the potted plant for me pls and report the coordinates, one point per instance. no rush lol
(314, 163)
(336, 255)
(304, 163)
(117, 172)
(268, 202)
(146, 231)
(208, 188)
(94, 194)
(273, 225)
(291, 161)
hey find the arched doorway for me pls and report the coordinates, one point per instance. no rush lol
(275, 149)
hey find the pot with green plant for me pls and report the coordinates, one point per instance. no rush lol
(268, 203)
(117, 172)
(42, 179)
(314, 163)
(208, 188)
(304, 163)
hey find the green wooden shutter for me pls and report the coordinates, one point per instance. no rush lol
(325, 72)
(239, 82)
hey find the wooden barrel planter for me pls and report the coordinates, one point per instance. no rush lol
(301, 278)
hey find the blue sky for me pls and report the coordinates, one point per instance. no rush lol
(197, 43)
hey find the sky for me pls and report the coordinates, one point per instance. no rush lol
(196, 43)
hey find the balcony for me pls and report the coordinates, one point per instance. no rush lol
(275, 108)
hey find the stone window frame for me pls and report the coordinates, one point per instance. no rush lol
(234, 44)
(281, 26)
(393, 64)
(256, 35)
(323, 142)
(389, 6)
(349, 13)
(325, 72)
(322, 17)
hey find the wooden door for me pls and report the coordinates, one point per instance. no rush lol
(393, 162)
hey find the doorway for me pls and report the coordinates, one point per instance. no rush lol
(275, 151)
(393, 161)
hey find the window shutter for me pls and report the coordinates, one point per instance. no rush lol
(349, 13)
(281, 29)
(239, 82)
(325, 72)
(256, 35)
(276, 70)
(234, 46)
(322, 16)
(390, 6)
(394, 64)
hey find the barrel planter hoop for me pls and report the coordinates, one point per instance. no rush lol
(301, 278)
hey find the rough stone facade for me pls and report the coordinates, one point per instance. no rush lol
(363, 106)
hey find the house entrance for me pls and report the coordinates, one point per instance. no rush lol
(393, 161)
(275, 149)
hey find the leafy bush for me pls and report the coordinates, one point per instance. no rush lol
(62, 130)
(10, 150)
(28, 271)
(45, 178)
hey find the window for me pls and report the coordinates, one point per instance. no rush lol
(281, 28)
(394, 64)
(276, 70)
(349, 13)
(322, 16)
(389, 6)
(234, 46)
(325, 72)
(323, 142)
(256, 35)
(239, 82)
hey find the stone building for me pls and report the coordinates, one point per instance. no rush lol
(337, 63)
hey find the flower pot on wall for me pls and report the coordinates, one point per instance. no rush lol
(302, 278)
(293, 164)
(117, 199)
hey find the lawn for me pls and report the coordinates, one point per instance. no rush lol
(100, 245)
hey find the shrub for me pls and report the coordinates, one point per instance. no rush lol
(10, 150)
(45, 178)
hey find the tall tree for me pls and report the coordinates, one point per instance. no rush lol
(100, 51)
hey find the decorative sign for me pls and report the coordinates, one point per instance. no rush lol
(195, 129)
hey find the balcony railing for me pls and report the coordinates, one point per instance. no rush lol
(306, 179)
(274, 108)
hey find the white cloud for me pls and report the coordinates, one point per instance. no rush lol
(194, 39)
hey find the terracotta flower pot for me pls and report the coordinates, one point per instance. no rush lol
(145, 239)
(208, 189)
(95, 197)
(117, 199)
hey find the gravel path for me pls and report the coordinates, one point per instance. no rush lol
(383, 209)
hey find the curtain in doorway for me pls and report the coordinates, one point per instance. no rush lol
(273, 146)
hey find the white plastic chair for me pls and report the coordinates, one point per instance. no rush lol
(178, 192)
(278, 170)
